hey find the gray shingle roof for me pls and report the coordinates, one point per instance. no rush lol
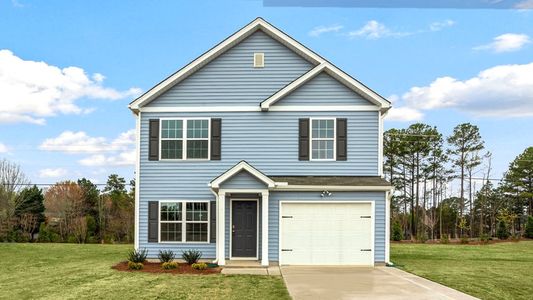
(332, 180)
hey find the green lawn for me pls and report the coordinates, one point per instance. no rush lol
(70, 271)
(498, 271)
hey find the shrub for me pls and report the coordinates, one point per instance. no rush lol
(529, 228)
(71, 239)
(166, 256)
(135, 265)
(465, 240)
(397, 234)
(515, 237)
(191, 256)
(502, 233)
(422, 237)
(47, 235)
(169, 265)
(444, 239)
(484, 238)
(199, 266)
(137, 256)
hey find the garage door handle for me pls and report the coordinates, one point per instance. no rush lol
(286, 217)
(366, 217)
(286, 249)
(366, 249)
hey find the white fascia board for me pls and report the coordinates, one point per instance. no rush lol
(258, 109)
(236, 169)
(226, 44)
(332, 188)
(335, 73)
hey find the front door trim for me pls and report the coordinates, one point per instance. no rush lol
(231, 257)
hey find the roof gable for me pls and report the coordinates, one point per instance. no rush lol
(242, 166)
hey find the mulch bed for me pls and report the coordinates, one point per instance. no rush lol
(151, 267)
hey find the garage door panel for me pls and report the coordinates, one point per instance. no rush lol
(326, 233)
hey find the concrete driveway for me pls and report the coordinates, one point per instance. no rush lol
(362, 283)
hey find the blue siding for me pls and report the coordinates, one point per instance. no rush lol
(266, 140)
(273, 215)
(242, 180)
(231, 78)
(323, 90)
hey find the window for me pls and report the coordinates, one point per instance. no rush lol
(177, 225)
(259, 60)
(322, 139)
(185, 138)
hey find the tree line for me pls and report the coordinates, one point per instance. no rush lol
(67, 211)
(424, 167)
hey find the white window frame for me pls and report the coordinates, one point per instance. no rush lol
(184, 139)
(311, 139)
(184, 222)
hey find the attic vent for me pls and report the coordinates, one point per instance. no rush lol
(259, 60)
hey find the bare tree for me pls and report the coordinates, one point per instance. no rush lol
(64, 204)
(12, 179)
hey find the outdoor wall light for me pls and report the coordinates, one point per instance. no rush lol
(325, 193)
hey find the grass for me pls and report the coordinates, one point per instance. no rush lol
(497, 271)
(70, 271)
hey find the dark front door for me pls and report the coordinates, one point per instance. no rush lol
(244, 229)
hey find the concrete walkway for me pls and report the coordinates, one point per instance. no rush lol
(272, 271)
(363, 283)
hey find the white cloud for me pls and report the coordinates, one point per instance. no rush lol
(507, 42)
(104, 152)
(317, 31)
(31, 90)
(52, 173)
(404, 114)
(375, 30)
(526, 4)
(500, 91)
(125, 158)
(80, 142)
(3, 148)
(437, 26)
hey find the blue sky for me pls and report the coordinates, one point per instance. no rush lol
(439, 66)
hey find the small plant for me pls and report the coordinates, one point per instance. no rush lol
(515, 237)
(135, 265)
(199, 266)
(529, 228)
(137, 256)
(397, 234)
(502, 233)
(465, 240)
(484, 238)
(166, 256)
(445, 239)
(169, 265)
(422, 237)
(191, 256)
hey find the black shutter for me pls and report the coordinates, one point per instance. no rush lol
(342, 139)
(216, 139)
(303, 139)
(213, 222)
(153, 221)
(153, 144)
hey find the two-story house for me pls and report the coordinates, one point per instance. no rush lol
(260, 149)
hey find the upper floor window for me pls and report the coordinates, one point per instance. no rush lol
(184, 138)
(323, 139)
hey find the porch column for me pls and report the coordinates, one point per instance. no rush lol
(221, 228)
(264, 229)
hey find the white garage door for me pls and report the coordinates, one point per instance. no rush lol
(326, 233)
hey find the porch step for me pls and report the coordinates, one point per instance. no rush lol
(243, 264)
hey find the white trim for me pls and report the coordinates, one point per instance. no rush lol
(221, 228)
(243, 165)
(234, 39)
(372, 229)
(231, 229)
(184, 139)
(250, 108)
(184, 222)
(334, 158)
(388, 196)
(256, 56)
(137, 178)
(336, 73)
(331, 188)
(264, 228)
(380, 145)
